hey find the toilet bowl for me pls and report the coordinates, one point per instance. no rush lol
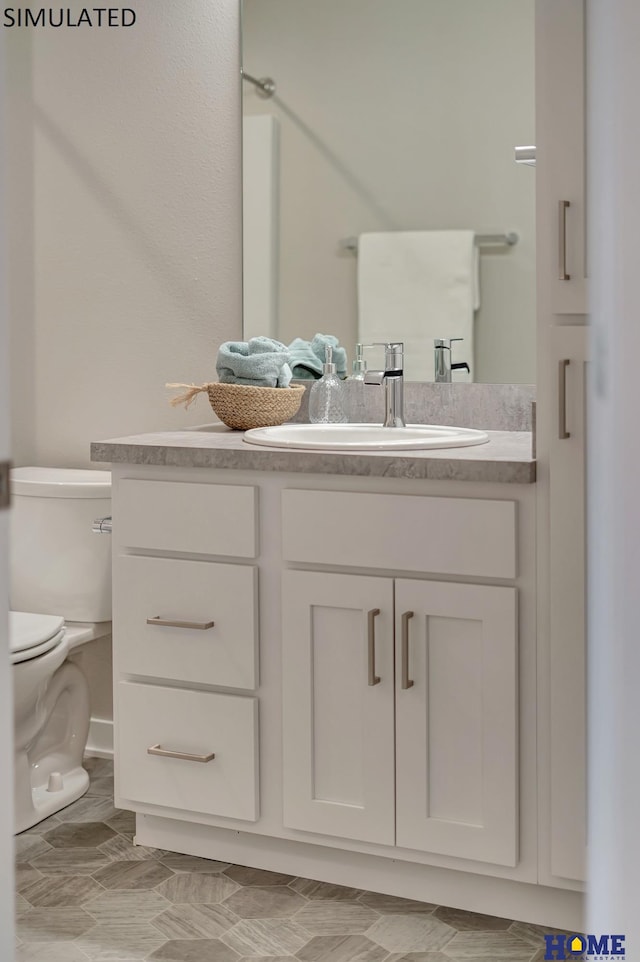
(57, 564)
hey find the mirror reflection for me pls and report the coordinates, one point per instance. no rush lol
(381, 196)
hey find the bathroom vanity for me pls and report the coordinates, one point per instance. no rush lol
(325, 664)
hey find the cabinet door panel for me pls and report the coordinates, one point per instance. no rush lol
(567, 622)
(337, 728)
(457, 724)
(560, 156)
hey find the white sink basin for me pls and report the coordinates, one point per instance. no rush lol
(364, 437)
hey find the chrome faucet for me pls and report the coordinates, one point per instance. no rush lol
(393, 380)
(442, 359)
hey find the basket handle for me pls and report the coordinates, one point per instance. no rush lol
(192, 391)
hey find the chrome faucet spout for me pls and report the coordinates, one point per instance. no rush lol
(442, 362)
(392, 378)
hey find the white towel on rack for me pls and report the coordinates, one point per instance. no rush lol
(414, 286)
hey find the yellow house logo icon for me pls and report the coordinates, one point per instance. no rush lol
(577, 945)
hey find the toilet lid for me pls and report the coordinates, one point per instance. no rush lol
(32, 635)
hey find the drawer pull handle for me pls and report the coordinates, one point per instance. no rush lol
(166, 753)
(371, 635)
(406, 681)
(563, 434)
(562, 240)
(199, 625)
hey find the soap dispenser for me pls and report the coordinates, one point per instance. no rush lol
(354, 387)
(326, 398)
(359, 365)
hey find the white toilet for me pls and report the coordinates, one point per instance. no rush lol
(60, 599)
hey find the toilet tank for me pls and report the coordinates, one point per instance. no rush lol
(57, 564)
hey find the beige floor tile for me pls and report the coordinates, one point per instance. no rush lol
(265, 937)
(336, 918)
(265, 902)
(29, 847)
(190, 863)
(471, 921)
(79, 835)
(115, 906)
(62, 891)
(195, 921)
(48, 952)
(489, 946)
(132, 875)
(53, 925)
(200, 950)
(256, 876)
(390, 905)
(122, 821)
(410, 933)
(196, 887)
(341, 948)
(325, 891)
(71, 861)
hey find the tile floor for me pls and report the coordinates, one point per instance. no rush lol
(85, 892)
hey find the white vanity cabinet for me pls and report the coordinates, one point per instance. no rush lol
(185, 632)
(562, 628)
(442, 725)
(400, 713)
(388, 739)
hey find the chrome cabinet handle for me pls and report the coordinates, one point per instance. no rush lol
(167, 753)
(371, 633)
(562, 240)
(563, 434)
(406, 681)
(198, 625)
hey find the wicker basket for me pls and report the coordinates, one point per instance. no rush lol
(242, 407)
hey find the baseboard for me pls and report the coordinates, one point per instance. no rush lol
(100, 740)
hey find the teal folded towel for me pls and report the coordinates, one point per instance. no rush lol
(307, 357)
(260, 362)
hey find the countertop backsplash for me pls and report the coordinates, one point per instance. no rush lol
(487, 407)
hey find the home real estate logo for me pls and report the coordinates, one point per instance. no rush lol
(591, 948)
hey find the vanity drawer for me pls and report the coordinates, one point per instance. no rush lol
(196, 724)
(452, 536)
(192, 594)
(218, 519)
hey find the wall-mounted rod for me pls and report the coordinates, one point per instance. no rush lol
(508, 239)
(265, 86)
(526, 155)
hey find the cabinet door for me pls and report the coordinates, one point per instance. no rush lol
(457, 720)
(338, 723)
(567, 627)
(560, 157)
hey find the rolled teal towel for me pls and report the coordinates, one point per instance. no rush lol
(307, 357)
(260, 362)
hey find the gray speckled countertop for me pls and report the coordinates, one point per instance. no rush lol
(506, 458)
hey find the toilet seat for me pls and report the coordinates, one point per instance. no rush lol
(32, 635)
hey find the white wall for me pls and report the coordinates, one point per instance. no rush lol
(614, 470)
(124, 185)
(389, 121)
(124, 207)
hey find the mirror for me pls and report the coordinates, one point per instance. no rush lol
(389, 116)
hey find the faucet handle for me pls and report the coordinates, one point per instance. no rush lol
(393, 354)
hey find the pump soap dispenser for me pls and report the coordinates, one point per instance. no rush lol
(326, 398)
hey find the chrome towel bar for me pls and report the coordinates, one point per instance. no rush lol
(508, 239)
